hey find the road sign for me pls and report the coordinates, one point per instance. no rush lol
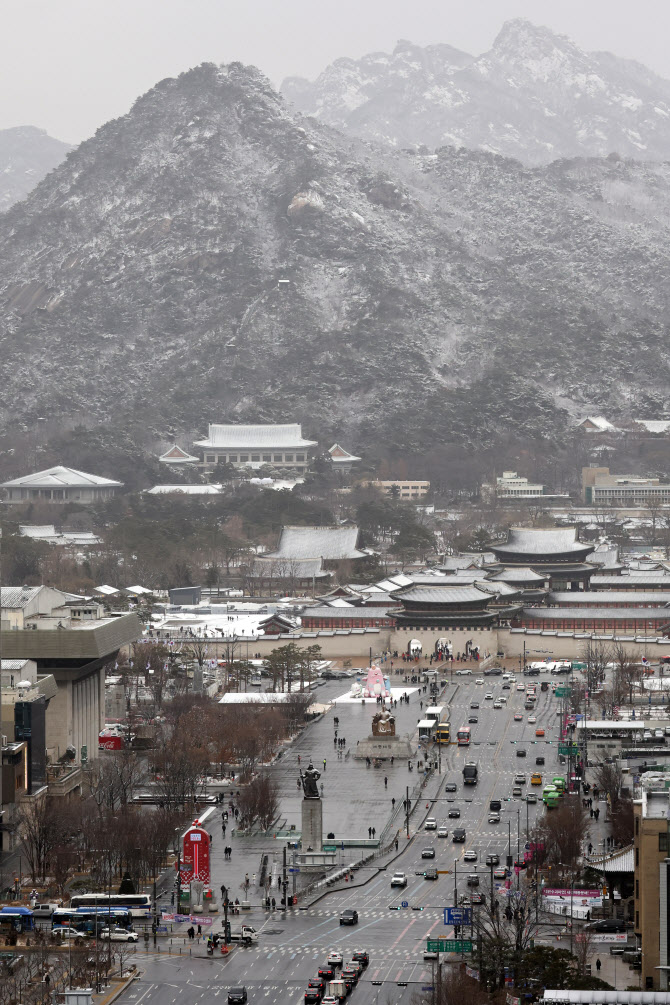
(563, 692)
(427, 987)
(293, 869)
(457, 916)
(404, 904)
(568, 749)
(444, 872)
(448, 946)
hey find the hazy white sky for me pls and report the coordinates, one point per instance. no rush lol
(70, 65)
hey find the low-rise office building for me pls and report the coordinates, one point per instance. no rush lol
(60, 485)
(280, 446)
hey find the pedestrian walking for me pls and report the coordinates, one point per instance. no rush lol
(223, 830)
(274, 904)
(391, 760)
(396, 844)
(373, 831)
(298, 758)
(191, 932)
(370, 832)
(335, 740)
(393, 803)
(172, 899)
(591, 812)
(199, 929)
(386, 782)
(598, 965)
(596, 812)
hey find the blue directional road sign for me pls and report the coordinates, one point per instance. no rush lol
(457, 916)
(405, 903)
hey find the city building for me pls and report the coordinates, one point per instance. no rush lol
(510, 485)
(600, 488)
(347, 617)
(174, 455)
(657, 427)
(596, 424)
(652, 883)
(403, 489)
(644, 582)
(279, 446)
(557, 555)
(60, 485)
(341, 458)
(331, 544)
(73, 643)
(628, 621)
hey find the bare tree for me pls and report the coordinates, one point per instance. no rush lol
(562, 831)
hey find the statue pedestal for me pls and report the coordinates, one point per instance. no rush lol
(384, 748)
(312, 825)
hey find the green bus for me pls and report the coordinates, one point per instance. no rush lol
(559, 783)
(550, 796)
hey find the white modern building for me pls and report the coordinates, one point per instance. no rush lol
(280, 446)
(60, 485)
(510, 485)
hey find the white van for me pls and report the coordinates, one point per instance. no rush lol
(44, 910)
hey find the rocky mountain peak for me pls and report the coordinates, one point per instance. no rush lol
(534, 95)
(27, 154)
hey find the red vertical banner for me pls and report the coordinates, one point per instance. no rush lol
(195, 855)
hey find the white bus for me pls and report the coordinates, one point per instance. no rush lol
(139, 904)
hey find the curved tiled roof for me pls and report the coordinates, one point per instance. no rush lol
(280, 437)
(530, 541)
(443, 595)
(60, 477)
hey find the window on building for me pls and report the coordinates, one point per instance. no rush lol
(232, 458)
(244, 457)
(637, 920)
(637, 825)
(663, 841)
(637, 889)
(267, 457)
(278, 457)
(288, 457)
(210, 458)
(300, 457)
(637, 856)
(255, 457)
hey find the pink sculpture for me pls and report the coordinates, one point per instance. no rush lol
(376, 684)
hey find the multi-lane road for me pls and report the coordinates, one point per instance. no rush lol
(291, 949)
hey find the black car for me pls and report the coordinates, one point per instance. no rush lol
(237, 996)
(520, 752)
(318, 984)
(458, 836)
(313, 995)
(451, 787)
(606, 925)
(428, 853)
(360, 957)
(349, 917)
(350, 975)
(327, 972)
(473, 718)
(493, 859)
(454, 813)
(349, 981)
(474, 704)
(539, 760)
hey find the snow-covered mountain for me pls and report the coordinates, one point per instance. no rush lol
(27, 154)
(535, 96)
(431, 297)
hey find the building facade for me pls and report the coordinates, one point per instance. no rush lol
(60, 485)
(405, 489)
(600, 488)
(510, 485)
(651, 883)
(280, 446)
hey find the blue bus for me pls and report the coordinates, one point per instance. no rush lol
(89, 920)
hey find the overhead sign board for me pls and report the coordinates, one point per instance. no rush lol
(457, 916)
(448, 946)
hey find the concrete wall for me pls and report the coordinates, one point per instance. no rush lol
(76, 715)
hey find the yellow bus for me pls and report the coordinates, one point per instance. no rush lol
(442, 732)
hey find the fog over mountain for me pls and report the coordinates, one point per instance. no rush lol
(535, 96)
(27, 154)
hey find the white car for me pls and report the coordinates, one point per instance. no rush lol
(497, 704)
(503, 698)
(470, 856)
(480, 680)
(494, 818)
(334, 958)
(532, 718)
(118, 934)
(430, 824)
(464, 673)
(520, 687)
(443, 832)
(399, 879)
